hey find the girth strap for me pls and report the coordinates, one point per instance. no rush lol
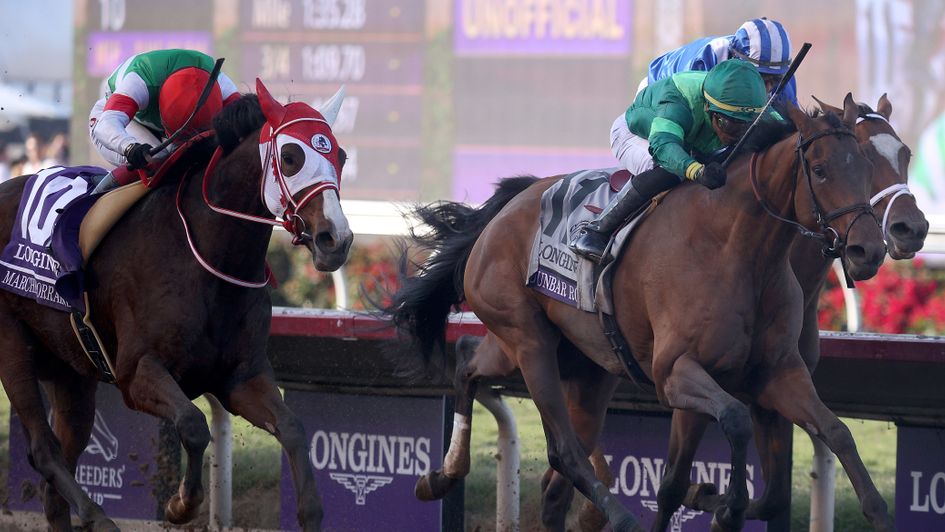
(620, 347)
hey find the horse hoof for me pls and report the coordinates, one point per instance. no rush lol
(178, 513)
(434, 486)
(628, 523)
(105, 525)
(724, 521)
(703, 497)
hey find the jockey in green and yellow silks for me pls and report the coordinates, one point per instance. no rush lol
(689, 112)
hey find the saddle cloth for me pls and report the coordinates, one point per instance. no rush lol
(29, 265)
(566, 207)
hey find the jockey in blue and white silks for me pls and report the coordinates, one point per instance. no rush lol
(762, 42)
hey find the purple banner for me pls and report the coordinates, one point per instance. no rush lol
(118, 468)
(920, 479)
(106, 50)
(368, 452)
(636, 448)
(542, 27)
(476, 169)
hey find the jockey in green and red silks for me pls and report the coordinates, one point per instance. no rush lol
(148, 98)
(685, 114)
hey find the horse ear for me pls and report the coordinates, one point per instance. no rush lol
(884, 107)
(272, 110)
(850, 110)
(798, 117)
(826, 107)
(330, 109)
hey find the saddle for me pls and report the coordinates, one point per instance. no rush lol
(95, 225)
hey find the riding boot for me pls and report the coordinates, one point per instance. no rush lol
(120, 176)
(593, 238)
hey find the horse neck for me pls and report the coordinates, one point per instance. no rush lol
(235, 246)
(754, 232)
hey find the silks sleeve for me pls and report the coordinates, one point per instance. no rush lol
(131, 94)
(667, 133)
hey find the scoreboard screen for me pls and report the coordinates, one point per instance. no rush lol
(444, 97)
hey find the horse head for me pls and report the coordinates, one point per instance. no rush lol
(833, 188)
(904, 225)
(302, 165)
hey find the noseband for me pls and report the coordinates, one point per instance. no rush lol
(292, 222)
(895, 191)
(832, 240)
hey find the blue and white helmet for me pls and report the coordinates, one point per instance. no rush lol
(765, 43)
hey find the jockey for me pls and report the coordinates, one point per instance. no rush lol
(688, 112)
(147, 98)
(762, 42)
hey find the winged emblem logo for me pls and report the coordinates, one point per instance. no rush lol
(682, 515)
(361, 485)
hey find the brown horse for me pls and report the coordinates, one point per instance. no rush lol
(706, 300)
(175, 331)
(905, 229)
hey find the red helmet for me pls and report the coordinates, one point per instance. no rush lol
(179, 95)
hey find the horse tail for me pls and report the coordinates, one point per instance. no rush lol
(420, 307)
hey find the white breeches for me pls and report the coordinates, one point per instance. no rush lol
(632, 151)
(136, 130)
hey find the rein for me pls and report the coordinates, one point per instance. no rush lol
(833, 242)
(292, 222)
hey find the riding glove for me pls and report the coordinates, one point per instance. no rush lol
(138, 155)
(711, 175)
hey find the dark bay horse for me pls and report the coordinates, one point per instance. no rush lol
(174, 330)
(705, 298)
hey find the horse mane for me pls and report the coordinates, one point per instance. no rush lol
(769, 132)
(237, 120)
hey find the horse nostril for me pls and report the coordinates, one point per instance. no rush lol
(324, 240)
(900, 230)
(907, 231)
(855, 253)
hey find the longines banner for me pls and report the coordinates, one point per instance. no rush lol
(117, 469)
(636, 447)
(920, 479)
(368, 452)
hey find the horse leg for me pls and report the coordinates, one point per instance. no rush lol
(686, 431)
(689, 387)
(588, 390)
(475, 358)
(259, 402)
(45, 454)
(153, 390)
(534, 345)
(792, 394)
(774, 440)
(72, 402)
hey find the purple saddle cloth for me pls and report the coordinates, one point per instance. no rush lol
(43, 261)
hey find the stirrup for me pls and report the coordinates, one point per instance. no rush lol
(590, 244)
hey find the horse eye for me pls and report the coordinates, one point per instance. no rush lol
(819, 171)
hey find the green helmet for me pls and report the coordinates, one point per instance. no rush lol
(735, 88)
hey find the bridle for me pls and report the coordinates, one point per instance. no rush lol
(291, 220)
(832, 240)
(896, 190)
